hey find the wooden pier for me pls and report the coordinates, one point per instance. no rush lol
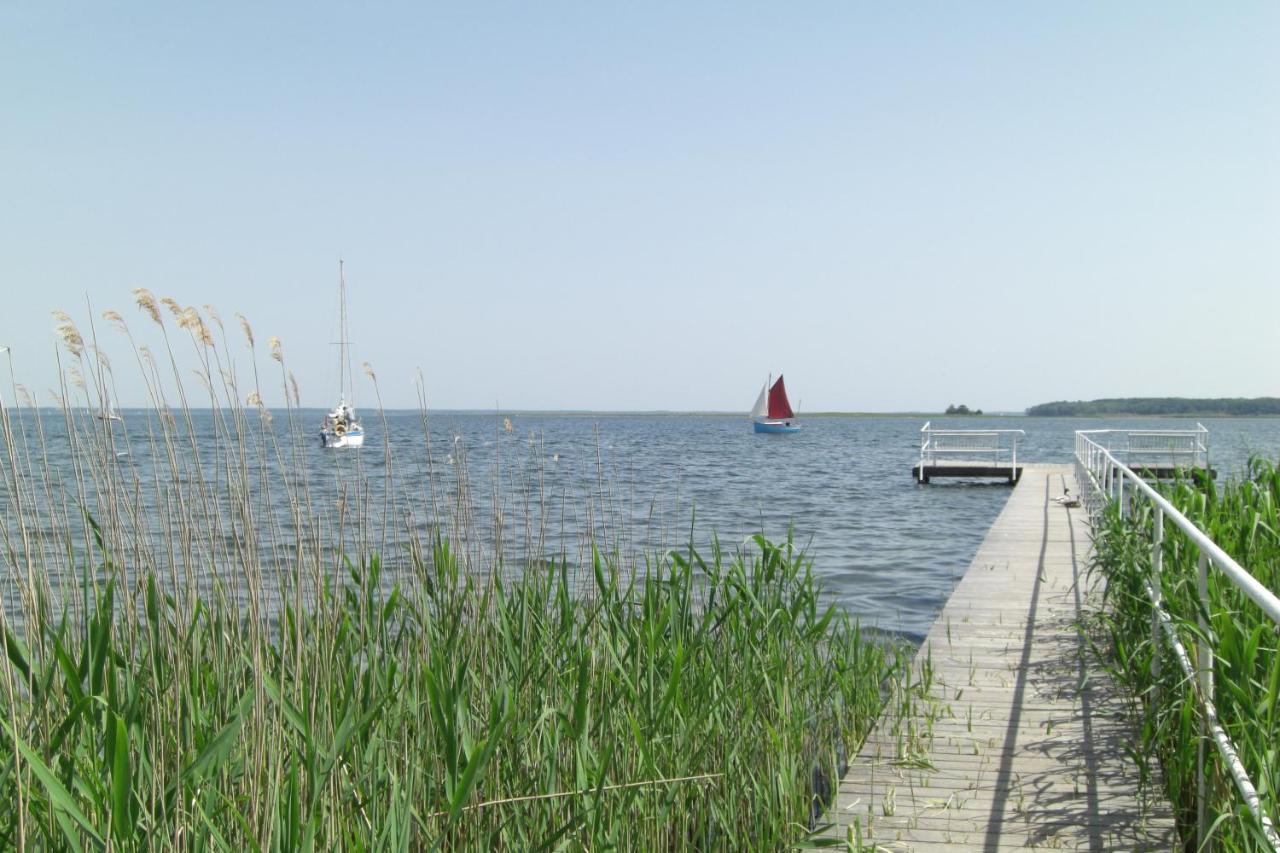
(1019, 740)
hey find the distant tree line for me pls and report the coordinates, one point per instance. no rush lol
(1223, 406)
(961, 409)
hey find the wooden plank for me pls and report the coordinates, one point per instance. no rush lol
(1019, 740)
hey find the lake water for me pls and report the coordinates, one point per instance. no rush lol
(886, 548)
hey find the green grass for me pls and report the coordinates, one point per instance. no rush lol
(687, 707)
(182, 672)
(1241, 517)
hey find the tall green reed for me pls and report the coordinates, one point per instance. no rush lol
(200, 654)
(1241, 517)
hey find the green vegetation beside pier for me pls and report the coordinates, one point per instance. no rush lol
(1241, 517)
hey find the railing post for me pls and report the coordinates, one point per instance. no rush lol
(1092, 464)
(1204, 677)
(1157, 600)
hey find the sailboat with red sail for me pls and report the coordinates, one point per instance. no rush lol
(772, 411)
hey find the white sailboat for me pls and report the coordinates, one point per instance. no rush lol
(108, 414)
(341, 427)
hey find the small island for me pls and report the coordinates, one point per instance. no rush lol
(961, 409)
(1160, 406)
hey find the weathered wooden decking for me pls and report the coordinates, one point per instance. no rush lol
(1022, 740)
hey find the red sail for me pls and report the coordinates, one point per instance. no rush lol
(779, 408)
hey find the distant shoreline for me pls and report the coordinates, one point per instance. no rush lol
(1161, 407)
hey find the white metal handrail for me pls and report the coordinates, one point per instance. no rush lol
(1109, 478)
(973, 443)
(1139, 447)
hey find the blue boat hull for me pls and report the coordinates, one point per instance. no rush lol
(776, 426)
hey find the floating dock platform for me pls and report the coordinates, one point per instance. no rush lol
(923, 473)
(971, 453)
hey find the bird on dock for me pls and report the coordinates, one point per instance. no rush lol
(1066, 498)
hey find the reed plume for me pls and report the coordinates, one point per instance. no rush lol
(70, 335)
(246, 328)
(147, 302)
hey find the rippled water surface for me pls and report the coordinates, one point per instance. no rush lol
(886, 548)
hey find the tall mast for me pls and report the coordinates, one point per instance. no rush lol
(343, 367)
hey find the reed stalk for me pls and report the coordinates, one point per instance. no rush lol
(203, 649)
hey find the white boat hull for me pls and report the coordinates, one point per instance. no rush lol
(331, 439)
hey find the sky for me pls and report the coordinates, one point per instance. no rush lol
(655, 206)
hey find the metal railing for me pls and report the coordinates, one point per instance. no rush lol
(968, 444)
(1139, 448)
(1114, 481)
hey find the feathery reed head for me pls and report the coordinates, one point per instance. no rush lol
(114, 318)
(273, 343)
(248, 330)
(69, 333)
(368, 371)
(213, 314)
(293, 384)
(190, 320)
(172, 304)
(255, 399)
(147, 302)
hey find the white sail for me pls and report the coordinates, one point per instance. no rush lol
(761, 408)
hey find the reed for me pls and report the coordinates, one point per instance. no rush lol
(201, 652)
(1241, 516)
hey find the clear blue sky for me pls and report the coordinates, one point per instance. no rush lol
(652, 206)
